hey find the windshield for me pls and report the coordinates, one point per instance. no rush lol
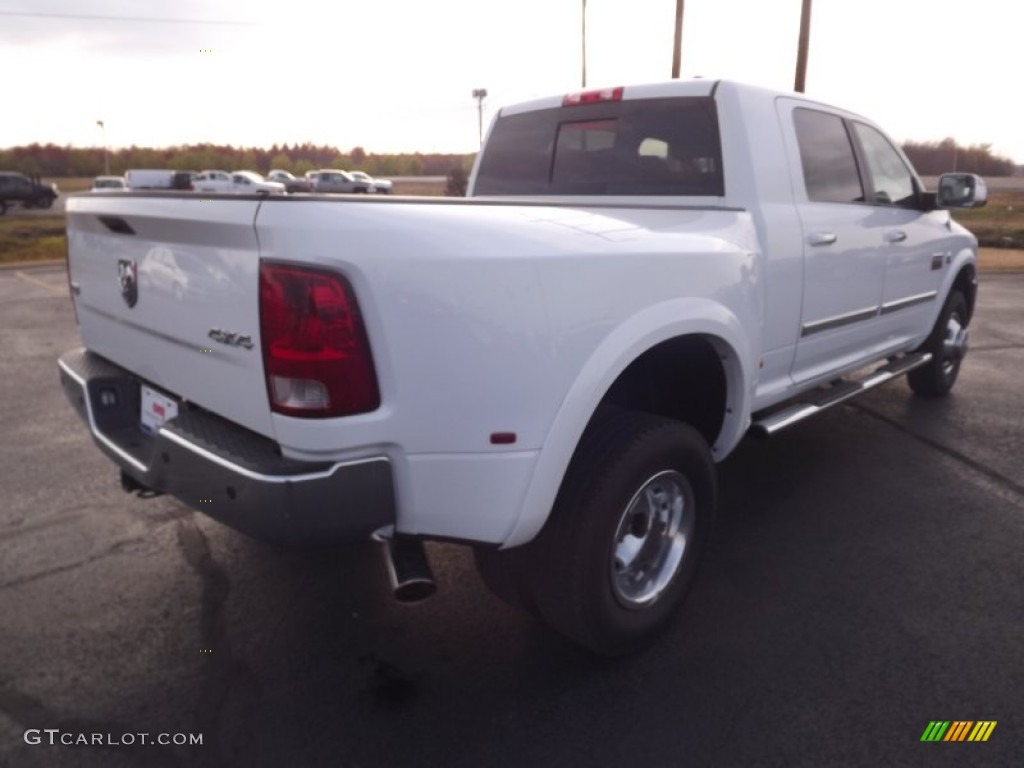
(665, 146)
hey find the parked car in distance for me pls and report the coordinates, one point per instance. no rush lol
(159, 178)
(332, 180)
(211, 181)
(250, 181)
(107, 183)
(291, 183)
(18, 189)
(240, 182)
(379, 186)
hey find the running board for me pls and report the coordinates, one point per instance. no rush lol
(839, 392)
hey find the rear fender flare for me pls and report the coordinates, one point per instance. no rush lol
(641, 332)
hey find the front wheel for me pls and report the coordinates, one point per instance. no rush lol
(948, 346)
(620, 550)
(45, 202)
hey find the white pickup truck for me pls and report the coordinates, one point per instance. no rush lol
(547, 371)
(239, 182)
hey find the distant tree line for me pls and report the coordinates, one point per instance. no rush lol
(931, 158)
(56, 161)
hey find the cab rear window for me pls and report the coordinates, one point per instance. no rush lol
(633, 147)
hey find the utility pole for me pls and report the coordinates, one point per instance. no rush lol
(480, 94)
(584, 43)
(106, 152)
(801, 54)
(677, 48)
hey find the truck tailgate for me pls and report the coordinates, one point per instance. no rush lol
(167, 287)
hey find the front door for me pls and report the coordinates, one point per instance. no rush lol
(918, 244)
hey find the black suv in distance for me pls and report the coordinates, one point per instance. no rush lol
(30, 193)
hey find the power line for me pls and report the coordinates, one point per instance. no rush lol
(135, 19)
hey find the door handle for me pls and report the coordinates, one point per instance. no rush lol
(897, 236)
(822, 238)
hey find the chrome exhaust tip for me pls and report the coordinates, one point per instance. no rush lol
(408, 569)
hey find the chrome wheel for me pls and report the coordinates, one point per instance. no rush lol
(954, 345)
(615, 560)
(651, 539)
(947, 345)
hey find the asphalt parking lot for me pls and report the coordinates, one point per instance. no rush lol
(867, 577)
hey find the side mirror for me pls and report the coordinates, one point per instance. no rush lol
(961, 190)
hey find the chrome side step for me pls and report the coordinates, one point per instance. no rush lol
(767, 423)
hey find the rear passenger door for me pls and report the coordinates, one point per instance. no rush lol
(844, 263)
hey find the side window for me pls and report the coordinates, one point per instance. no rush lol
(893, 182)
(826, 154)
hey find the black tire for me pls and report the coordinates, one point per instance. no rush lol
(45, 202)
(627, 466)
(948, 345)
(3, 207)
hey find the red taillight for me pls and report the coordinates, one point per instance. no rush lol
(592, 97)
(315, 352)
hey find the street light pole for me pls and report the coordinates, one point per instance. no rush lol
(480, 94)
(106, 153)
(677, 48)
(801, 54)
(584, 44)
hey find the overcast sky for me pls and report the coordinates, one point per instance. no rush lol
(397, 75)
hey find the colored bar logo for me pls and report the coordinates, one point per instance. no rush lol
(958, 730)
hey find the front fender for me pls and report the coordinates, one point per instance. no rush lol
(963, 267)
(631, 339)
(965, 259)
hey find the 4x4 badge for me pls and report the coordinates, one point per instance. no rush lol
(128, 275)
(230, 338)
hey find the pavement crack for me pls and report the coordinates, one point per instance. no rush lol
(115, 549)
(20, 528)
(222, 672)
(998, 478)
(214, 580)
